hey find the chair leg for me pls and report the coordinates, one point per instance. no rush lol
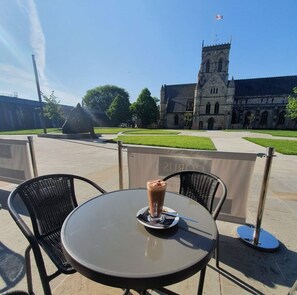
(45, 279)
(217, 252)
(28, 270)
(201, 281)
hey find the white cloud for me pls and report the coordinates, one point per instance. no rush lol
(16, 76)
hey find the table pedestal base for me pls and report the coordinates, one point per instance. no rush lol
(267, 242)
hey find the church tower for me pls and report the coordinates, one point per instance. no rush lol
(213, 99)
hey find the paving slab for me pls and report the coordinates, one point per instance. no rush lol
(244, 270)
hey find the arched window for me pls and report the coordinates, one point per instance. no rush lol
(281, 118)
(264, 117)
(207, 110)
(207, 68)
(220, 65)
(176, 120)
(217, 107)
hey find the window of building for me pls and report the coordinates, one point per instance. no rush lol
(176, 120)
(207, 111)
(207, 68)
(220, 65)
(217, 107)
(281, 118)
(190, 105)
(264, 117)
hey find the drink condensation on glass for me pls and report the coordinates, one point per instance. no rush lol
(156, 190)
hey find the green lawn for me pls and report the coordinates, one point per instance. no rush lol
(31, 131)
(182, 141)
(116, 130)
(282, 133)
(286, 147)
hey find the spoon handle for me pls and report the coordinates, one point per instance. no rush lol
(178, 215)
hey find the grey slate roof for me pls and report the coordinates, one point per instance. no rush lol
(178, 96)
(265, 86)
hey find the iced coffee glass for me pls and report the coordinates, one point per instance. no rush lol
(156, 194)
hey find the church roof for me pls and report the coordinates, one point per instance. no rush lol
(177, 96)
(265, 86)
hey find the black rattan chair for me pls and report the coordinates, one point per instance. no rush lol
(49, 199)
(202, 187)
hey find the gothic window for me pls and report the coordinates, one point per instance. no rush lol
(207, 111)
(211, 90)
(217, 89)
(220, 65)
(281, 118)
(264, 117)
(207, 66)
(190, 105)
(200, 125)
(176, 120)
(217, 107)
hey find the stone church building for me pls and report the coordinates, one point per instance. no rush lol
(215, 102)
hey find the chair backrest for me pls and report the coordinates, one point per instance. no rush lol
(201, 187)
(49, 199)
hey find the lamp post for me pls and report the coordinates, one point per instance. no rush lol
(39, 94)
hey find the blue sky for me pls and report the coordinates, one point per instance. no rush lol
(136, 44)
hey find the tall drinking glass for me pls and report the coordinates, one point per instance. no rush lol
(156, 190)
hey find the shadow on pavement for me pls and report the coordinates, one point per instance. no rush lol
(12, 267)
(19, 205)
(269, 268)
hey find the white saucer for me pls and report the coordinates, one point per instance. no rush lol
(144, 212)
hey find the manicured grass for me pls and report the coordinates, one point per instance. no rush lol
(116, 130)
(32, 131)
(111, 130)
(286, 147)
(151, 131)
(282, 133)
(182, 141)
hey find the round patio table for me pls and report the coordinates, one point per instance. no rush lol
(103, 240)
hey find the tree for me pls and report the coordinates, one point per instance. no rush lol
(291, 106)
(119, 110)
(100, 98)
(188, 120)
(145, 108)
(52, 110)
(251, 118)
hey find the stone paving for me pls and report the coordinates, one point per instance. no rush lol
(244, 270)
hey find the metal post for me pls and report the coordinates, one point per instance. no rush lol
(255, 236)
(265, 181)
(120, 164)
(32, 153)
(39, 94)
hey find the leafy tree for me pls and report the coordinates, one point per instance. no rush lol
(251, 119)
(291, 106)
(100, 98)
(52, 109)
(119, 110)
(188, 120)
(145, 108)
